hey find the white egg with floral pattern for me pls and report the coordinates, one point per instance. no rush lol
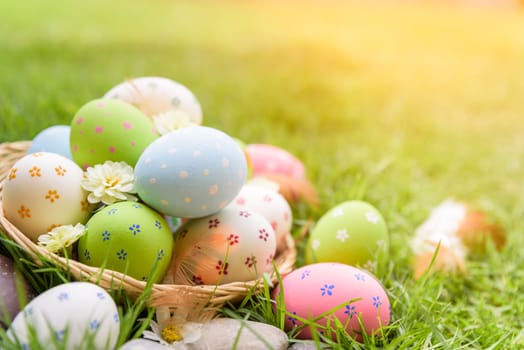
(75, 315)
(233, 245)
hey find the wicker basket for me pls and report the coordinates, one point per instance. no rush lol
(162, 294)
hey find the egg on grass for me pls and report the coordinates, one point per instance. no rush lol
(318, 297)
(74, 315)
(351, 233)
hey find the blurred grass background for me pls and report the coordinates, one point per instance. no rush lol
(416, 103)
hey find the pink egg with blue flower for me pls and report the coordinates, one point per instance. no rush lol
(343, 292)
(191, 172)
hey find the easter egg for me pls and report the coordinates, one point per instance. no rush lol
(270, 204)
(341, 291)
(349, 233)
(270, 159)
(75, 315)
(9, 294)
(128, 237)
(42, 191)
(54, 139)
(191, 172)
(233, 245)
(107, 129)
(155, 95)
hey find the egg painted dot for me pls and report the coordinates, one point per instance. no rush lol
(80, 120)
(203, 207)
(213, 190)
(164, 202)
(147, 161)
(100, 104)
(205, 172)
(163, 166)
(91, 151)
(197, 153)
(187, 199)
(99, 129)
(75, 148)
(225, 162)
(183, 174)
(152, 181)
(112, 149)
(172, 150)
(132, 143)
(127, 125)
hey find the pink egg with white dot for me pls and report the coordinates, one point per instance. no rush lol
(351, 295)
(270, 204)
(264, 159)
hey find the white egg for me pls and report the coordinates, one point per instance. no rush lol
(270, 204)
(232, 245)
(156, 95)
(42, 191)
(76, 315)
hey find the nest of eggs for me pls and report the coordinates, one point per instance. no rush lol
(161, 294)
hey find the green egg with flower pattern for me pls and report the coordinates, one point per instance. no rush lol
(130, 238)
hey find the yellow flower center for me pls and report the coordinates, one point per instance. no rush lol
(112, 181)
(171, 334)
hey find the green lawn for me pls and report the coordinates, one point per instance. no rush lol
(411, 105)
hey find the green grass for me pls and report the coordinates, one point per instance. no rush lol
(400, 106)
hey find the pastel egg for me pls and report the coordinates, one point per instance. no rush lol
(128, 237)
(106, 129)
(43, 191)
(9, 294)
(270, 204)
(350, 233)
(191, 172)
(353, 294)
(54, 139)
(232, 245)
(270, 159)
(155, 95)
(75, 315)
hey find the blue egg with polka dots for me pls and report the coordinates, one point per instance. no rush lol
(191, 172)
(54, 139)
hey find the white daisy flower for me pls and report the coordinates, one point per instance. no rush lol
(61, 237)
(173, 336)
(109, 182)
(171, 120)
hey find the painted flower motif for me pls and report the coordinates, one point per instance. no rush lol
(171, 120)
(372, 217)
(174, 336)
(61, 237)
(350, 310)
(376, 301)
(109, 182)
(327, 289)
(342, 235)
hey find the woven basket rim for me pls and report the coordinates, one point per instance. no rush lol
(217, 295)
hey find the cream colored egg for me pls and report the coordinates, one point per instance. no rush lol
(157, 95)
(42, 191)
(270, 204)
(233, 245)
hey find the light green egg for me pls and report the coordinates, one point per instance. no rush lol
(107, 129)
(128, 237)
(349, 233)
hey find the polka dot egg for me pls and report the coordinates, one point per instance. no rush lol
(155, 95)
(351, 232)
(191, 172)
(128, 237)
(42, 191)
(232, 245)
(341, 291)
(109, 130)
